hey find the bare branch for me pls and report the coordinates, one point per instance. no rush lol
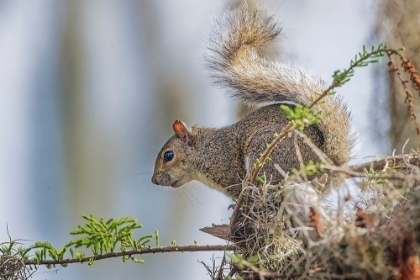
(167, 249)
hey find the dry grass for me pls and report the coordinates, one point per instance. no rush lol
(12, 267)
(297, 232)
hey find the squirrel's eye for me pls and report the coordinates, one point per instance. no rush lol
(168, 156)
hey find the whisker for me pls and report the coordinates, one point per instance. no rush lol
(142, 173)
(167, 190)
(144, 180)
(191, 186)
(183, 196)
(186, 189)
(151, 187)
(152, 146)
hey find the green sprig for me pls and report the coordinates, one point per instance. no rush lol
(98, 235)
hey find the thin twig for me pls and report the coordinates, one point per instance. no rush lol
(154, 250)
(393, 175)
(391, 161)
(321, 155)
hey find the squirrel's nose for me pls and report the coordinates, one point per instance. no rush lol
(154, 181)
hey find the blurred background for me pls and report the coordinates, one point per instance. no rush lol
(89, 91)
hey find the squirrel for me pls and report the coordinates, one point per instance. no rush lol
(220, 158)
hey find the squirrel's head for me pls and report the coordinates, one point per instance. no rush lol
(173, 163)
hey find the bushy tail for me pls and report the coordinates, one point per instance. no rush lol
(235, 63)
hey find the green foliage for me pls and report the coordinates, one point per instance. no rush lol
(261, 179)
(100, 236)
(301, 116)
(243, 263)
(157, 238)
(372, 174)
(362, 59)
(258, 164)
(309, 169)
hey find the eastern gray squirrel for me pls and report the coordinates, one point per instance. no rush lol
(220, 158)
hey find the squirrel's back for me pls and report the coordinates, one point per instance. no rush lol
(236, 64)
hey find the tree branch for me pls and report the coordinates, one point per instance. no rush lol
(154, 250)
(380, 164)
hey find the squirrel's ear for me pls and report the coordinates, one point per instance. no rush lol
(182, 131)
